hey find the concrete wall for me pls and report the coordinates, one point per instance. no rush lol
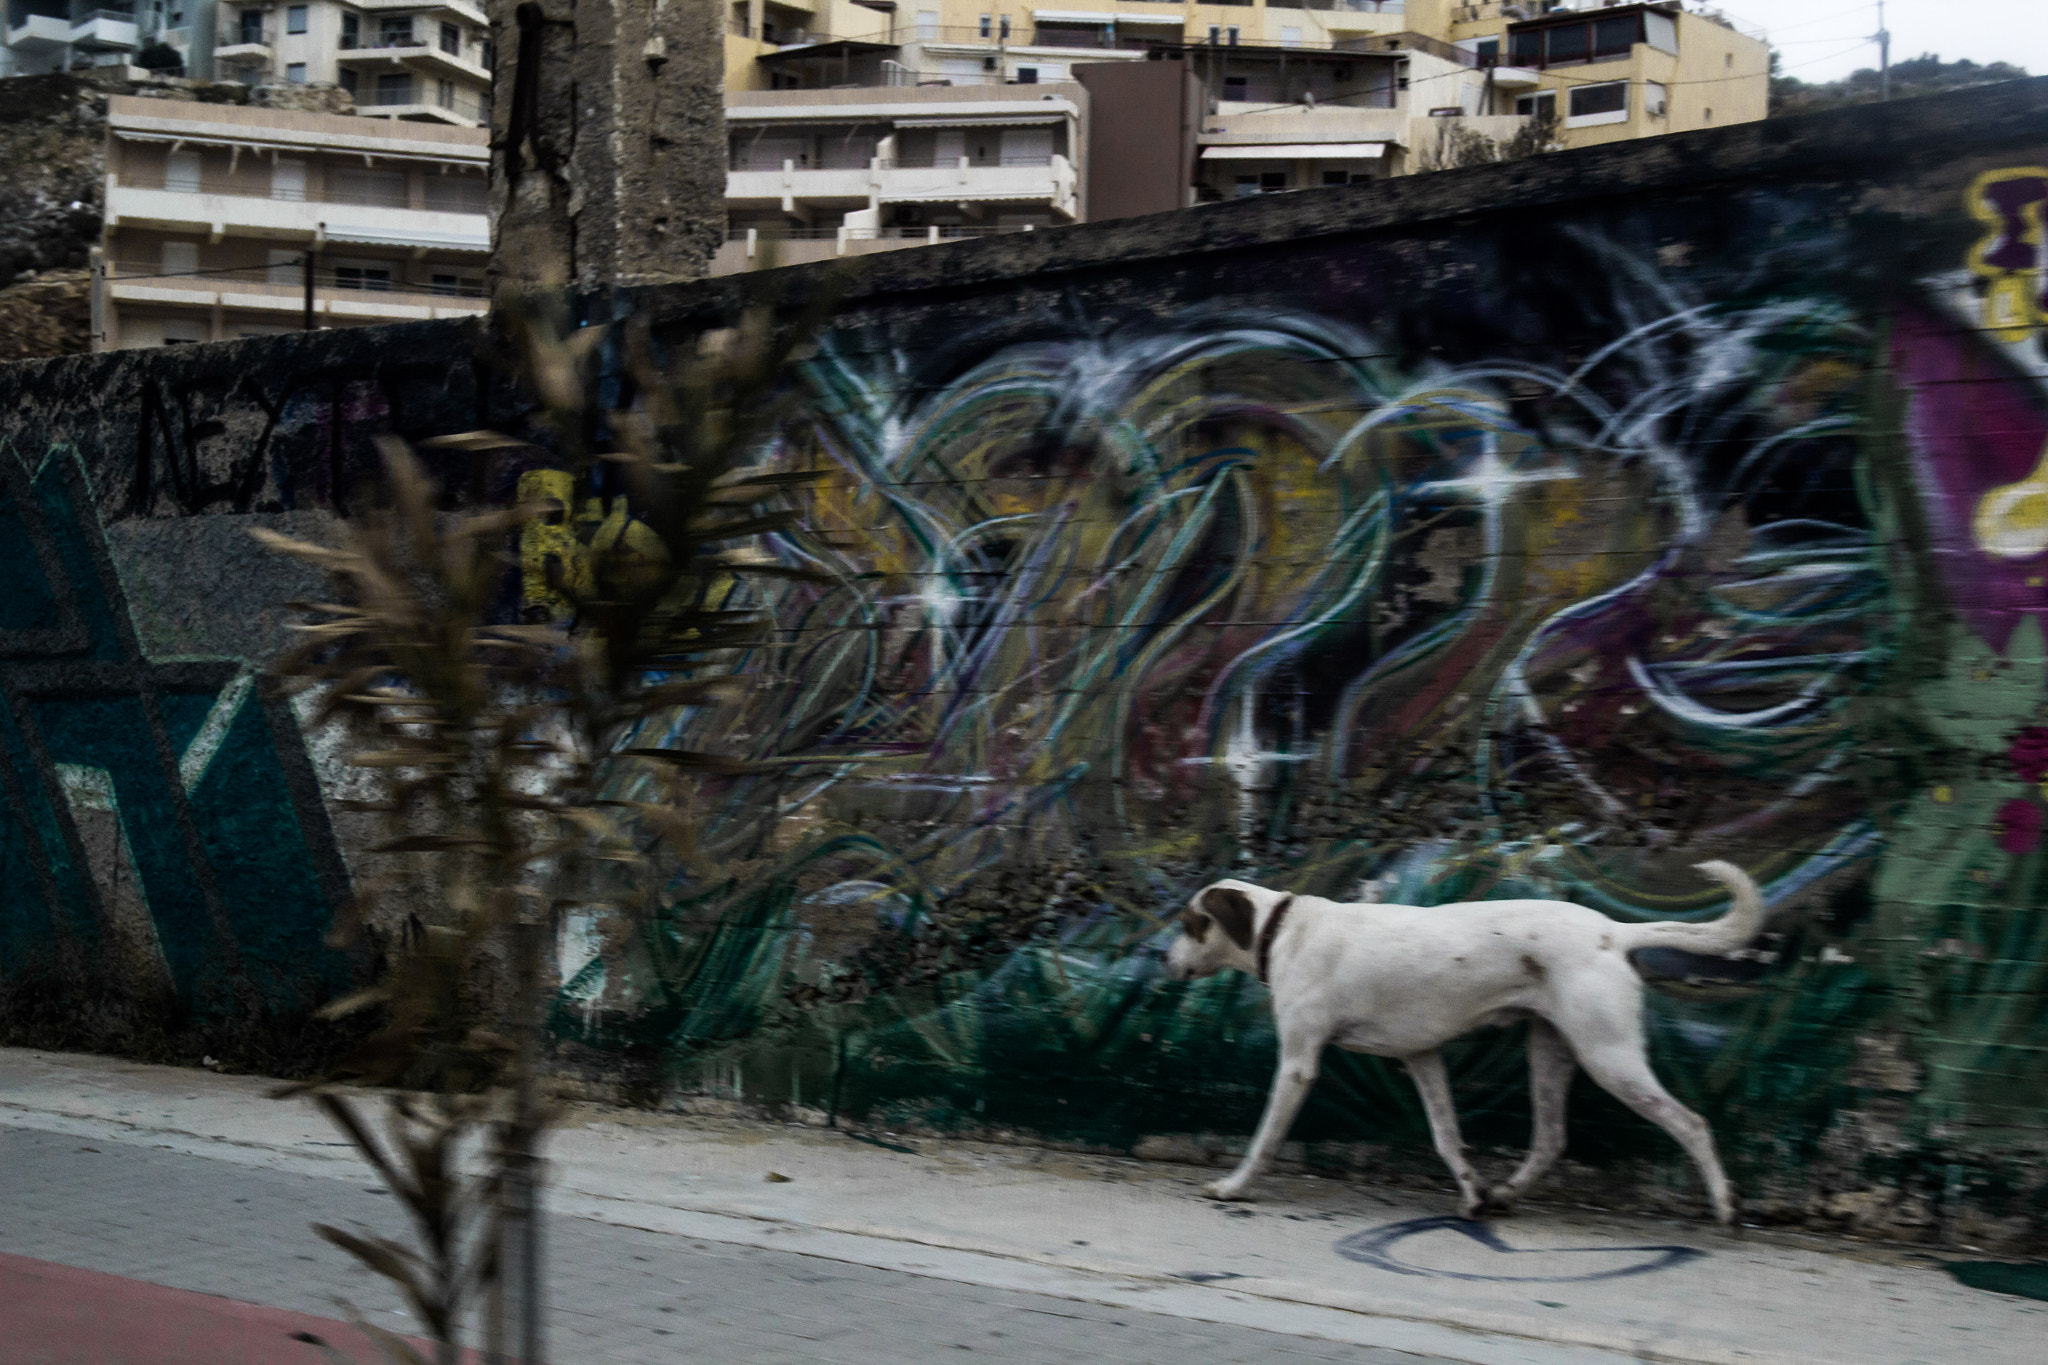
(1533, 529)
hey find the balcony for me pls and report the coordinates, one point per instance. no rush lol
(418, 52)
(461, 9)
(37, 32)
(282, 290)
(462, 108)
(218, 208)
(239, 45)
(106, 30)
(1044, 180)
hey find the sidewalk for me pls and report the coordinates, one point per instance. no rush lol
(1315, 1258)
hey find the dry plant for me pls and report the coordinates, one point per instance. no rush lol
(522, 765)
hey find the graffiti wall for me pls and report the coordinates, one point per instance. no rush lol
(1488, 537)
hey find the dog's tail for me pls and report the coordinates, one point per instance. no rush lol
(1733, 930)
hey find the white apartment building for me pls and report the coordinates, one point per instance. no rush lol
(839, 171)
(426, 61)
(227, 221)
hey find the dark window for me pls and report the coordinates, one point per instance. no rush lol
(295, 73)
(395, 30)
(1569, 44)
(1542, 105)
(1336, 177)
(361, 277)
(351, 31)
(1003, 27)
(295, 19)
(1529, 49)
(462, 286)
(394, 89)
(1271, 182)
(1027, 75)
(1616, 36)
(252, 25)
(1487, 50)
(1611, 98)
(987, 25)
(451, 40)
(349, 80)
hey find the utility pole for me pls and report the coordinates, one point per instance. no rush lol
(307, 261)
(1884, 56)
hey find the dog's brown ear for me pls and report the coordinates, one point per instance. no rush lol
(1195, 924)
(1233, 910)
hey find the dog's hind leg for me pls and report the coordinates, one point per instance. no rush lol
(1551, 1065)
(1435, 1086)
(1291, 1082)
(1616, 1061)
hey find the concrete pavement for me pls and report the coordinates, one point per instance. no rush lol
(1316, 1265)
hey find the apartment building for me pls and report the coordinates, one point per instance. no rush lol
(60, 35)
(841, 171)
(1609, 70)
(227, 221)
(413, 60)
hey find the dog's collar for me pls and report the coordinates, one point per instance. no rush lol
(1269, 931)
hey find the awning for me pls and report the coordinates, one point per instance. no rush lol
(1296, 151)
(1077, 16)
(1175, 20)
(447, 241)
(999, 121)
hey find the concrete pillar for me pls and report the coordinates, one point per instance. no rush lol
(608, 136)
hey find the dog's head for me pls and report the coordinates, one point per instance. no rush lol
(1216, 930)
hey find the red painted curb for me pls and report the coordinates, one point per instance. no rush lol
(59, 1315)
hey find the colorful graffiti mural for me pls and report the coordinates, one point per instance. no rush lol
(1716, 560)
(164, 839)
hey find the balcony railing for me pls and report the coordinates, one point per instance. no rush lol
(292, 275)
(744, 162)
(376, 41)
(237, 36)
(946, 233)
(461, 103)
(364, 197)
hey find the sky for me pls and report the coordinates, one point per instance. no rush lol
(1822, 40)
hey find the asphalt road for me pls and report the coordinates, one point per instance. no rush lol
(618, 1294)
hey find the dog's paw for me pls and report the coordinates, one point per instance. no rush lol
(1477, 1203)
(1227, 1190)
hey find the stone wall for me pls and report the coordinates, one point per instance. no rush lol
(1533, 529)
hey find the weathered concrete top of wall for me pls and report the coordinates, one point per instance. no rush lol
(742, 102)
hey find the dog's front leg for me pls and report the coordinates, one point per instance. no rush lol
(1434, 1084)
(1290, 1087)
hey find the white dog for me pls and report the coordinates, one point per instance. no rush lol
(1401, 981)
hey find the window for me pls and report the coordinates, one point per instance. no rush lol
(374, 277)
(1230, 35)
(181, 172)
(1614, 37)
(1656, 98)
(490, 56)
(395, 30)
(295, 19)
(1573, 44)
(451, 40)
(1597, 104)
(1247, 187)
(462, 193)
(393, 89)
(1215, 33)
(349, 80)
(295, 73)
(180, 258)
(988, 25)
(458, 286)
(1487, 50)
(987, 64)
(379, 189)
(1236, 88)
(927, 25)
(252, 26)
(1540, 105)
(351, 31)
(444, 94)
(1290, 37)
(1027, 146)
(1528, 49)
(1003, 28)
(183, 331)
(1027, 75)
(287, 179)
